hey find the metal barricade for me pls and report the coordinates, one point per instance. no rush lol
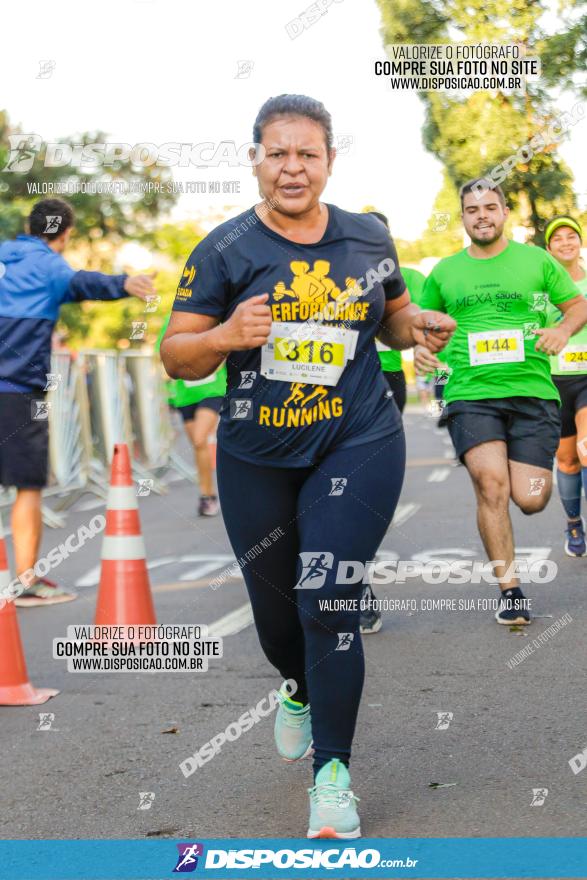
(149, 413)
(100, 398)
(69, 444)
(69, 440)
(108, 394)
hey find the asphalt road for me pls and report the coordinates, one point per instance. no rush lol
(512, 730)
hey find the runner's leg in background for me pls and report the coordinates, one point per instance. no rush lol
(581, 422)
(487, 464)
(27, 529)
(198, 429)
(568, 477)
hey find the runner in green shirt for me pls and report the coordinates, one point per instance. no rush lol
(503, 408)
(391, 360)
(391, 367)
(563, 237)
(198, 403)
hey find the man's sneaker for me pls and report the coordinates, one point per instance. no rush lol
(208, 506)
(512, 608)
(333, 811)
(293, 728)
(44, 592)
(370, 620)
(575, 538)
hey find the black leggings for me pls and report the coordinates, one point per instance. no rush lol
(299, 637)
(397, 382)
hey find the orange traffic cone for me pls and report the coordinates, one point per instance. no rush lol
(15, 687)
(124, 593)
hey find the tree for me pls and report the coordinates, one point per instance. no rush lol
(131, 197)
(564, 54)
(473, 134)
(103, 222)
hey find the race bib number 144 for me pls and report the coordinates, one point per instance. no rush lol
(496, 347)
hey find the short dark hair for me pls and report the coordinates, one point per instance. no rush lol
(481, 183)
(50, 218)
(293, 105)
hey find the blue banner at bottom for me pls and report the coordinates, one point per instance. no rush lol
(413, 857)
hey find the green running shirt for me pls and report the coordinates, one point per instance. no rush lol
(391, 361)
(572, 361)
(497, 303)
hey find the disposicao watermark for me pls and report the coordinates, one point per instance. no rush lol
(25, 150)
(235, 729)
(317, 565)
(54, 557)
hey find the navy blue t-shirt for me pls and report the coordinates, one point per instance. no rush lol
(294, 424)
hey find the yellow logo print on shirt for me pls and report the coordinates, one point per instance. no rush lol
(313, 294)
(183, 291)
(295, 412)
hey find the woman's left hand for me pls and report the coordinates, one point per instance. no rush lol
(433, 329)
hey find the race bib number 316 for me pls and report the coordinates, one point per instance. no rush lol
(316, 354)
(496, 347)
(309, 352)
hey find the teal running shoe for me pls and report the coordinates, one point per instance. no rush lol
(333, 811)
(293, 728)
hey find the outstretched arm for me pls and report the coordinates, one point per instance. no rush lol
(98, 286)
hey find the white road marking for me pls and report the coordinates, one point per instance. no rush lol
(90, 578)
(438, 475)
(90, 504)
(232, 623)
(449, 554)
(207, 563)
(403, 513)
(194, 574)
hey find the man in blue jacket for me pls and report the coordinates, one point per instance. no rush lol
(35, 281)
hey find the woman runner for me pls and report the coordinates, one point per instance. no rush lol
(564, 237)
(310, 447)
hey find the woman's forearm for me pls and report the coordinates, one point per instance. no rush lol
(194, 355)
(396, 329)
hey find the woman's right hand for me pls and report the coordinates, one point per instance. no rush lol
(249, 325)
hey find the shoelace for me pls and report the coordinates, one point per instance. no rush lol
(329, 795)
(295, 719)
(367, 599)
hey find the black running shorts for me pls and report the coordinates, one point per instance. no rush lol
(573, 392)
(188, 412)
(24, 439)
(529, 426)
